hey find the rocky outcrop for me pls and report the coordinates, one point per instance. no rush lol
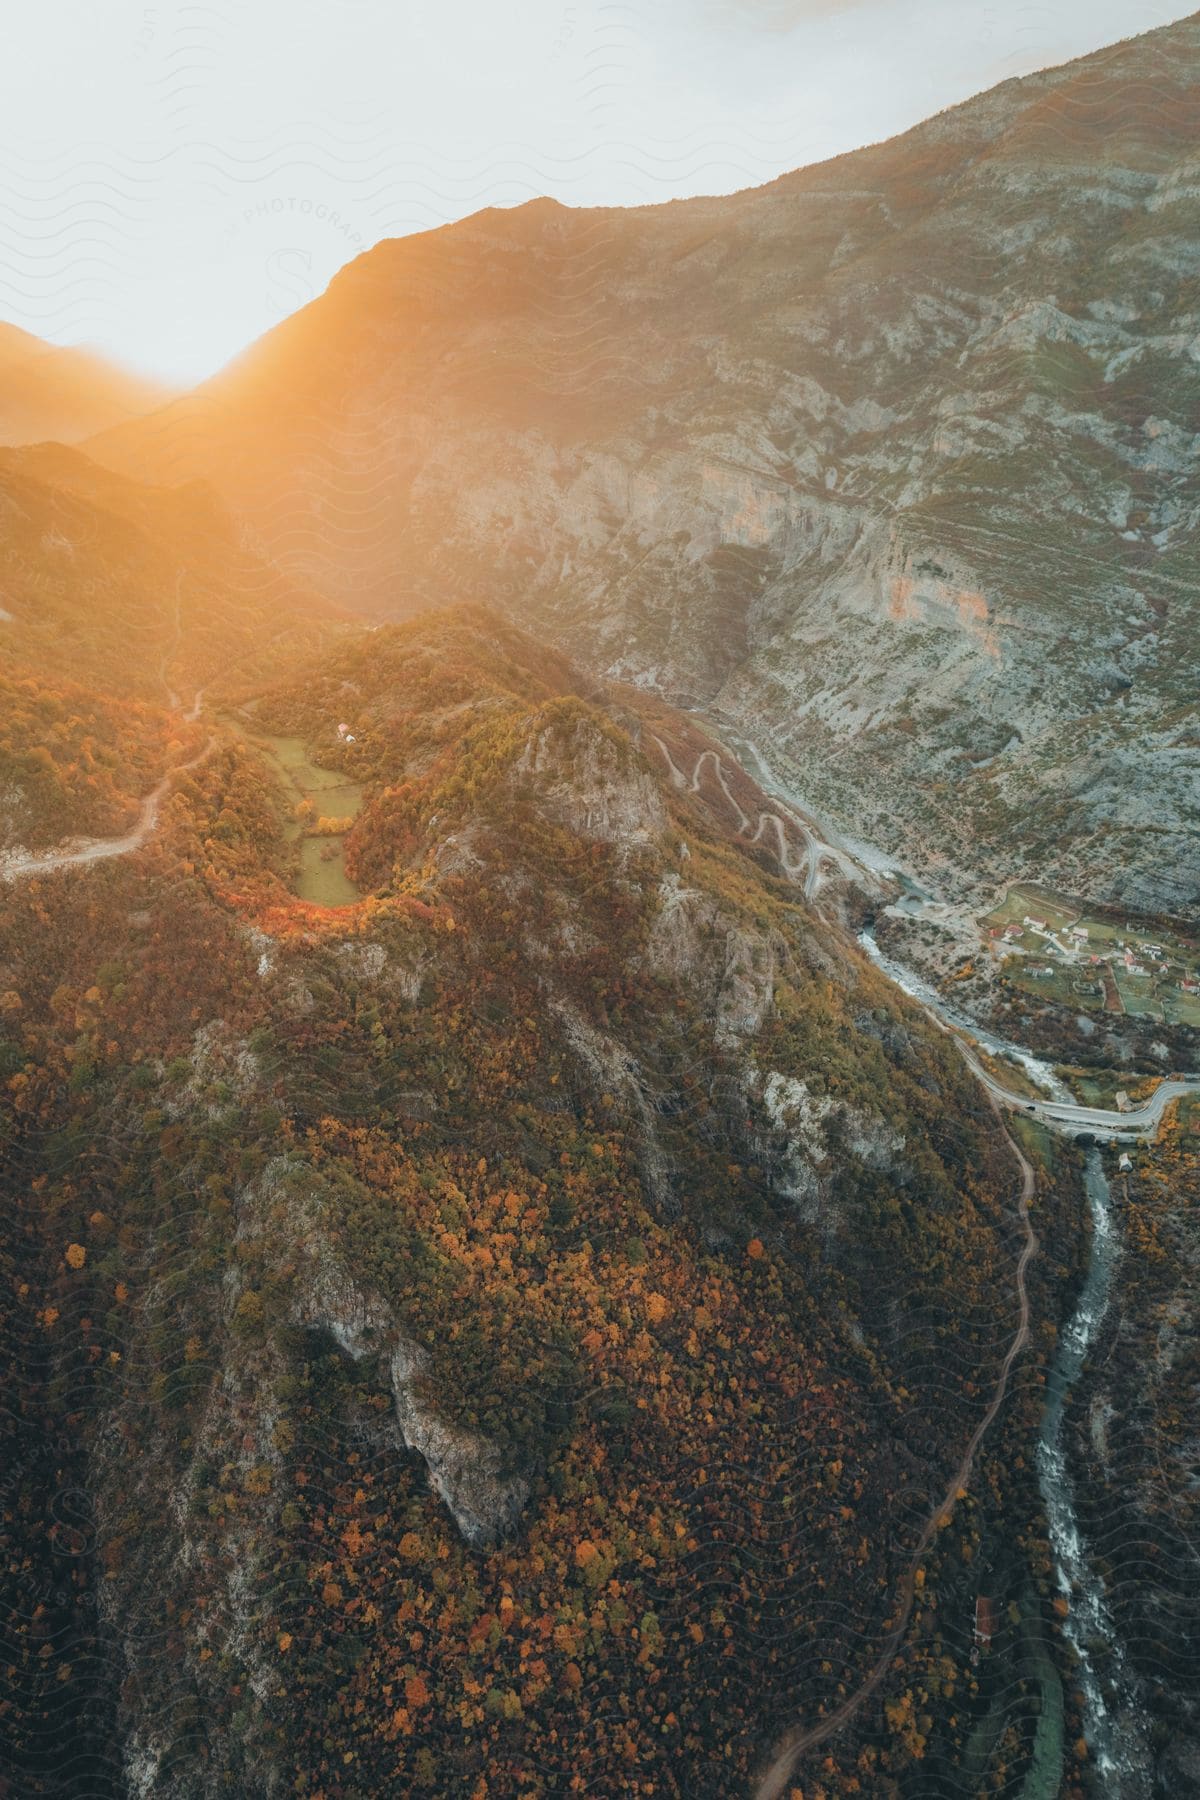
(892, 461)
(810, 1138)
(730, 970)
(612, 1066)
(587, 779)
(466, 1470)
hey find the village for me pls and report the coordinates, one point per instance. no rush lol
(1044, 945)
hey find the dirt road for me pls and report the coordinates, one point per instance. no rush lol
(89, 850)
(801, 1738)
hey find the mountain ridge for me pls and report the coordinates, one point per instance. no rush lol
(889, 461)
(490, 1248)
(66, 393)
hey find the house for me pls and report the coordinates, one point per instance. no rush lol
(1035, 924)
(1079, 932)
(1126, 1162)
(985, 1622)
(1011, 932)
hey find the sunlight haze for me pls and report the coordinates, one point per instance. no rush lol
(181, 178)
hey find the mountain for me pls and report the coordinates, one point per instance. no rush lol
(47, 392)
(891, 463)
(136, 591)
(500, 1294)
(119, 605)
(506, 1329)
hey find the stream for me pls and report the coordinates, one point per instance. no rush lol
(1113, 1723)
(926, 995)
(1113, 1726)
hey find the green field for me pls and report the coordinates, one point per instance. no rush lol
(322, 877)
(1154, 995)
(1100, 1087)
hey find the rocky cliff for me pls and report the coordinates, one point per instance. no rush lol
(485, 1330)
(893, 462)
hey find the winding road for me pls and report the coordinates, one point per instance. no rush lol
(807, 872)
(90, 850)
(783, 1761)
(1124, 1127)
(801, 1738)
(1141, 1122)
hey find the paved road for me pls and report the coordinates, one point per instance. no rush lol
(1142, 1121)
(808, 871)
(826, 848)
(1139, 1122)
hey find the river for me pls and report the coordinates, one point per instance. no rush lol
(927, 996)
(1114, 1724)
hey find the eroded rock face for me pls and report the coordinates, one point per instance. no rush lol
(812, 1133)
(465, 1468)
(730, 970)
(896, 464)
(584, 779)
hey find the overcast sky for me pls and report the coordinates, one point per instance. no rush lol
(178, 176)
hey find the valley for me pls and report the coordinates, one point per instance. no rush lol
(910, 501)
(599, 1035)
(793, 840)
(239, 935)
(1112, 1720)
(319, 800)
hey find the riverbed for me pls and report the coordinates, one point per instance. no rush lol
(1114, 1725)
(917, 988)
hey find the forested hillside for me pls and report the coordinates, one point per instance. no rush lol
(482, 1338)
(892, 462)
(139, 591)
(120, 604)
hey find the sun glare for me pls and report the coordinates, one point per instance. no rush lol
(186, 178)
